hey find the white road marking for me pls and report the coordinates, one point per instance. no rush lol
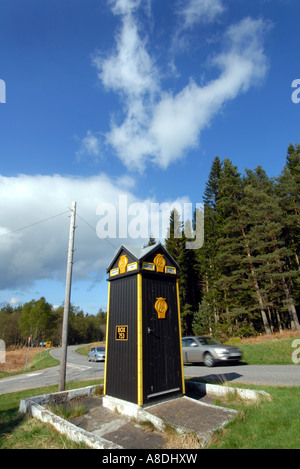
(78, 367)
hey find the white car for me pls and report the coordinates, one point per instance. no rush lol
(208, 351)
(97, 354)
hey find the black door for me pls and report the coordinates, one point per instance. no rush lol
(121, 353)
(161, 342)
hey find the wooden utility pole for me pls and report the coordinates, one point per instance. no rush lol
(63, 361)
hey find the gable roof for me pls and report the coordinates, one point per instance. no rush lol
(140, 253)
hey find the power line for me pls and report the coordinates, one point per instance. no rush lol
(94, 229)
(54, 216)
(33, 224)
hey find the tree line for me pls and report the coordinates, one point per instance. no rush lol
(42, 322)
(245, 278)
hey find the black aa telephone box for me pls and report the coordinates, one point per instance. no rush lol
(143, 336)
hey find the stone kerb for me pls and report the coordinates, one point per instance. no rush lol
(222, 391)
(35, 407)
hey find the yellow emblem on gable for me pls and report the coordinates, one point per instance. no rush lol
(123, 261)
(161, 307)
(160, 262)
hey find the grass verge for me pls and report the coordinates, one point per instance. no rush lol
(273, 352)
(39, 361)
(85, 350)
(18, 431)
(268, 350)
(264, 425)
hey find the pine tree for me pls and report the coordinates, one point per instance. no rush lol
(189, 291)
(211, 192)
(248, 268)
(173, 242)
(288, 190)
(270, 253)
(151, 241)
(239, 279)
(207, 265)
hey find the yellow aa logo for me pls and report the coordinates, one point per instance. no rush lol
(160, 262)
(161, 307)
(123, 261)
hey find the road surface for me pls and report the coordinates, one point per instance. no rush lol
(79, 368)
(275, 375)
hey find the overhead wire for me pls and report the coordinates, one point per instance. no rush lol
(50, 218)
(94, 229)
(33, 224)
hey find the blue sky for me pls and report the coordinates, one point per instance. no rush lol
(111, 97)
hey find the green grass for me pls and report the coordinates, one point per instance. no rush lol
(269, 352)
(38, 362)
(83, 350)
(265, 425)
(41, 361)
(67, 410)
(18, 431)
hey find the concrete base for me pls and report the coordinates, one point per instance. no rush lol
(133, 411)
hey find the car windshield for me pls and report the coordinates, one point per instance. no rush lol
(208, 341)
(100, 349)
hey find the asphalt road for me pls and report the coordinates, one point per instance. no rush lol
(275, 375)
(79, 368)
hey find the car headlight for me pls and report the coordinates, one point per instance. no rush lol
(222, 352)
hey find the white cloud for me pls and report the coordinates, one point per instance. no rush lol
(90, 146)
(178, 119)
(159, 125)
(129, 69)
(200, 11)
(123, 7)
(131, 140)
(40, 251)
(35, 223)
(14, 301)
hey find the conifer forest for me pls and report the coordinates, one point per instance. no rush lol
(245, 279)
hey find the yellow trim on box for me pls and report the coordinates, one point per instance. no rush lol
(150, 264)
(132, 266)
(106, 338)
(139, 341)
(114, 272)
(173, 270)
(180, 341)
